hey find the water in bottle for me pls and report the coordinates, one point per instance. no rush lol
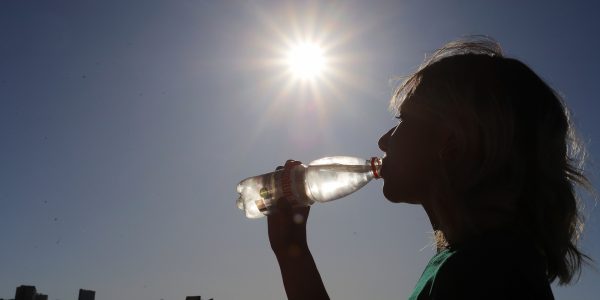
(322, 180)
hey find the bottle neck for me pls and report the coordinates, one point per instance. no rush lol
(375, 163)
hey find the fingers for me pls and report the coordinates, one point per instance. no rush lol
(284, 207)
(290, 163)
(298, 215)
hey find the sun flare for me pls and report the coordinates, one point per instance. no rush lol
(306, 60)
(307, 66)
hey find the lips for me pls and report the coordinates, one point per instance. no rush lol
(382, 169)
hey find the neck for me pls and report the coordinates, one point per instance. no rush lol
(453, 225)
(447, 222)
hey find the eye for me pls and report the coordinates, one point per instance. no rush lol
(400, 120)
(399, 117)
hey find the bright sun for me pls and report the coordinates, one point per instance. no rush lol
(306, 60)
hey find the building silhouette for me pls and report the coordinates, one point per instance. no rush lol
(86, 294)
(40, 297)
(25, 292)
(28, 292)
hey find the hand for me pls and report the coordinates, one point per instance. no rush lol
(287, 227)
(287, 234)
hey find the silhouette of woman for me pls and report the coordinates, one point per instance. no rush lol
(488, 150)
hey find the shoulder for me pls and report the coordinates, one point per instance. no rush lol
(509, 271)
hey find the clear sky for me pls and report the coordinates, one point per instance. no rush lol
(125, 127)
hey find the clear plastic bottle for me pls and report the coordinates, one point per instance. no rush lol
(322, 180)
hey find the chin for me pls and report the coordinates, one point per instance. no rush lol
(395, 195)
(390, 194)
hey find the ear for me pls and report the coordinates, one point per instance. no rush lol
(449, 147)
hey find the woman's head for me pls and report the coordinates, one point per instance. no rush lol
(501, 145)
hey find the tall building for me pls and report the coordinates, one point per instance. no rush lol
(25, 292)
(86, 295)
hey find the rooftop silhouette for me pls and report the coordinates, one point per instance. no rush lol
(86, 294)
(29, 292)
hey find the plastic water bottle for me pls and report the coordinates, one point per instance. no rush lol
(322, 180)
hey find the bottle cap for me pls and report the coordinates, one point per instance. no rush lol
(376, 166)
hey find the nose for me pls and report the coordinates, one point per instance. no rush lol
(384, 140)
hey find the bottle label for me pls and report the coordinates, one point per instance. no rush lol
(292, 184)
(264, 192)
(269, 192)
(261, 205)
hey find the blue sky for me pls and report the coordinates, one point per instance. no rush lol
(126, 125)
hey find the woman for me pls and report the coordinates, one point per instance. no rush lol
(486, 147)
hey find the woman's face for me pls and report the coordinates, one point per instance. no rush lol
(412, 154)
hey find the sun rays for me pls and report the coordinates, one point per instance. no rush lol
(306, 67)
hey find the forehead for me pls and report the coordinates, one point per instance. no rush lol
(416, 106)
